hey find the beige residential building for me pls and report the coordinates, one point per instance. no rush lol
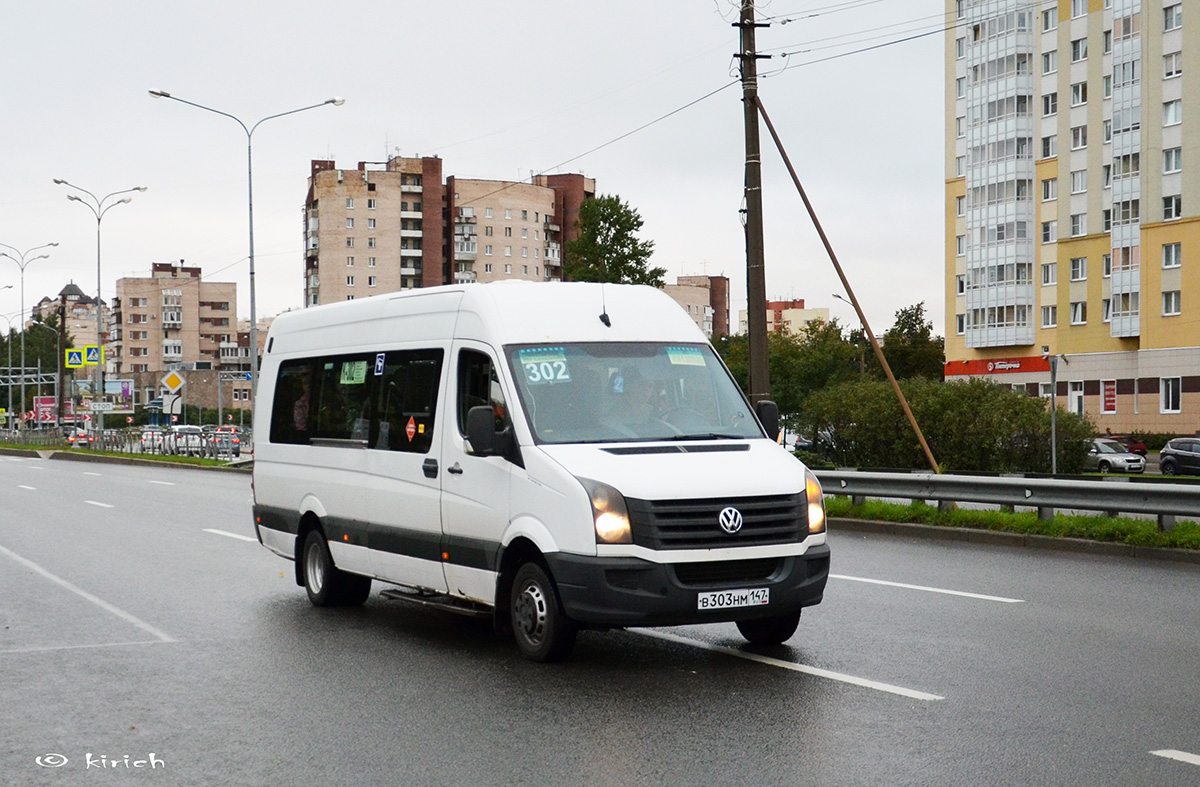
(173, 319)
(80, 314)
(396, 225)
(705, 299)
(787, 316)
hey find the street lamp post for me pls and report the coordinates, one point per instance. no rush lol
(337, 101)
(8, 341)
(98, 206)
(22, 259)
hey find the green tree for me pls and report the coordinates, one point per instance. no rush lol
(607, 248)
(910, 347)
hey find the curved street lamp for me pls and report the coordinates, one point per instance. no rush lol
(99, 206)
(8, 341)
(22, 259)
(337, 101)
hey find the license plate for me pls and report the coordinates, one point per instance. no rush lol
(728, 599)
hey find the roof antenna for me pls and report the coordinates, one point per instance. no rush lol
(604, 310)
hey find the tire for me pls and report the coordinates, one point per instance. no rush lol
(326, 585)
(1168, 468)
(543, 633)
(1104, 468)
(769, 631)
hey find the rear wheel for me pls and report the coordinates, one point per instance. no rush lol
(542, 631)
(326, 584)
(769, 631)
(1169, 468)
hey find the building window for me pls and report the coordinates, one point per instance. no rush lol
(960, 87)
(349, 203)
(960, 324)
(1172, 207)
(508, 268)
(1078, 50)
(1049, 104)
(1171, 388)
(524, 251)
(1050, 19)
(508, 252)
(1049, 189)
(1106, 175)
(1172, 65)
(349, 243)
(508, 213)
(960, 285)
(487, 267)
(1049, 273)
(1107, 42)
(370, 204)
(508, 232)
(524, 215)
(371, 281)
(349, 262)
(1106, 266)
(1173, 17)
(1079, 8)
(1106, 310)
(1172, 160)
(1173, 112)
(1078, 225)
(487, 250)
(370, 262)
(370, 224)
(1078, 94)
(1049, 316)
(487, 213)
(1079, 313)
(370, 243)
(960, 48)
(1108, 396)
(960, 245)
(349, 223)
(1170, 303)
(1079, 269)
(1050, 61)
(960, 206)
(487, 231)
(1078, 137)
(1079, 181)
(1049, 231)
(349, 281)
(1172, 255)
(1050, 146)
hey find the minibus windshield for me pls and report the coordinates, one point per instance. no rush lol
(628, 391)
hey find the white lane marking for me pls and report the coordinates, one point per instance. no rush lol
(143, 625)
(1175, 754)
(30, 488)
(35, 467)
(94, 503)
(231, 535)
(163, 483)
(83, 647)
(791, 665)
(95, 474)
(1000, 599)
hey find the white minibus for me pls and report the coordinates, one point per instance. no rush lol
(556, 456)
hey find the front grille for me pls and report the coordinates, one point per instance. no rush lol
(726, 571)
(693, 524)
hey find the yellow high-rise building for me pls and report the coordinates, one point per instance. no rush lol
(1073, 204)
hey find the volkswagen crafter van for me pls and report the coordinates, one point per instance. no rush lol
(558, 456)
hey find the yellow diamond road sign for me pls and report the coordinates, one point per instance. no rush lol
(172, 381)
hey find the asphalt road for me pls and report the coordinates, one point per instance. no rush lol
(138, 616)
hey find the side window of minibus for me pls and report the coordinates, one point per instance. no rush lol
(290, 409)
(478, 384)
(406, 401)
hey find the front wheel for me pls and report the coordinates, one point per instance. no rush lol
(1168, 468)
(1104, 468)
(769, 631)
(542, 631)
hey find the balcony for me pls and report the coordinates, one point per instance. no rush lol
(550, 226)
(408, 188)
(465, 277)
(409, 271)
(465, 251)
(411, 253)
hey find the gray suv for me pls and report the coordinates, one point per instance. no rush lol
(1180, 455)
(1109, 456)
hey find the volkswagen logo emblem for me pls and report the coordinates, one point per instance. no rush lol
(730, 520)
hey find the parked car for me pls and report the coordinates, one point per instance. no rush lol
(185, 440)
(1107, 455)
(225, 440)
(1135, 446)
(1180, 455)
(152, 440)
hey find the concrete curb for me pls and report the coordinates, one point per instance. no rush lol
(1001, 538)
(80, 456)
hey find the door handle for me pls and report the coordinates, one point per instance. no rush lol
(430, 468)
(455, 469)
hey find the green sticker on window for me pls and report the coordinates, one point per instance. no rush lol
(685, 356)
(354, 373)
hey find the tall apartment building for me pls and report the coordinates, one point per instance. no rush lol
(705, 299)
(396, 225)
(174, 319)
(1073, 224)
(788, 316)
(80, 309)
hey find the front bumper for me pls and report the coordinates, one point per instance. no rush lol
(634, 592)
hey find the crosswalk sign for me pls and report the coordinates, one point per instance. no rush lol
(74, 359)
(93, 354)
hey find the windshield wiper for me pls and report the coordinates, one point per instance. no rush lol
(706, 436)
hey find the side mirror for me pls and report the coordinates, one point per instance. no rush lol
(768, 415)
(481, 430)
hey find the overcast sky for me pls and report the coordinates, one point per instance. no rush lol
(498, 90)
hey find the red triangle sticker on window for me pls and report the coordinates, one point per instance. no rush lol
(411, 429)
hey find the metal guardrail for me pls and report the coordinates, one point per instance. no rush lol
(1111, 496)
(134, 441)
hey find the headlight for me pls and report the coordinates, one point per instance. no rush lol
(609, 515)
(816, 503)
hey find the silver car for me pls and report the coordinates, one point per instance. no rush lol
(1109, 456)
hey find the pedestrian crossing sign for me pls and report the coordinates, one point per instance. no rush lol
(93, 354)
(74, 359)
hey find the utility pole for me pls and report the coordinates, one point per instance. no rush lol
(62, 367)
(756, 280)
